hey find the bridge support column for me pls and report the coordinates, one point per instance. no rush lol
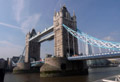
(60, 66)
(32, 53)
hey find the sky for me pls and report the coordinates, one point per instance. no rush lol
(98, 18)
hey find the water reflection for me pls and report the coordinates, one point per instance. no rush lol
(66, 79)
(94, 74)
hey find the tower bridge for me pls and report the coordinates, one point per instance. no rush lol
(67, 38)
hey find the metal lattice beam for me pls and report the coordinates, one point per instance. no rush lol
(92, 40)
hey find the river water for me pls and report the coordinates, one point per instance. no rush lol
(94, 74)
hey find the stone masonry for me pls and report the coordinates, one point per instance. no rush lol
(65, 43)
(32, 48)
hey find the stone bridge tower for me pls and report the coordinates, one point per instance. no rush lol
(65, 43)
(32, 48)
(32, 52)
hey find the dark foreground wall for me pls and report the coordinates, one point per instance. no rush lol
(2, 74)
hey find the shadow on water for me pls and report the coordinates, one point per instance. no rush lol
(94, 74)
(35, 77)
(9, 77)
(66, 79)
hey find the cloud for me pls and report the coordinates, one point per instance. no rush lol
(9, 25)
(30, 22)
(26, 25)
(18, 6)
(109, 38)
(8, 49)
(26, 21)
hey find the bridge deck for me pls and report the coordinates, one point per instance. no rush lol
(50, 37)
(93, 57)
(50, 29)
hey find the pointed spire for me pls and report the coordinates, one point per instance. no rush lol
(74, 16)
(63, 8)
(33, 32)
(32, 28)
(29, 32)
(55, 12)
(74, 13)
(64, 5)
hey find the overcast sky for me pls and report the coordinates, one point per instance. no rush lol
(99, 18)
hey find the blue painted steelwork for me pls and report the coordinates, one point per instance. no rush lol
(37, 63)
(92, 40)
(96, 56)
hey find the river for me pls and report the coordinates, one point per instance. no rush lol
(94, 74)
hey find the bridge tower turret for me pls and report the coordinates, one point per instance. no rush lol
(32, 51)
(65, 43)
(32, 48)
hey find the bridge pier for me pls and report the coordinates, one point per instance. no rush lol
(22, 68)
(60, 66)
